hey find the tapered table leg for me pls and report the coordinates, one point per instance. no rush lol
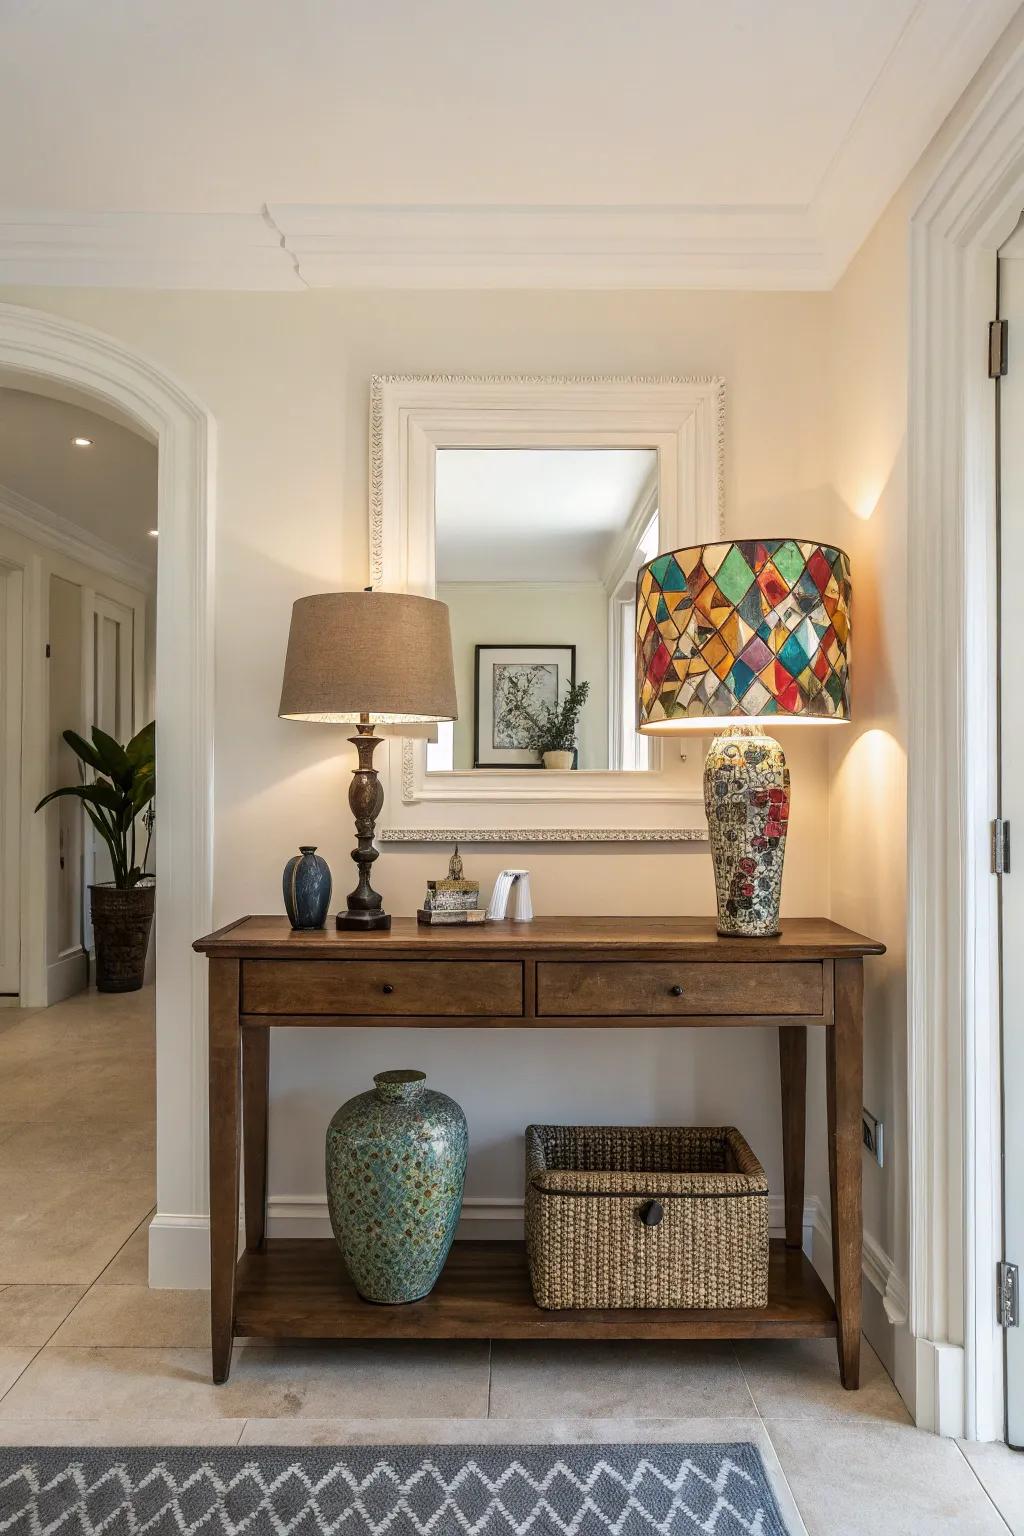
(255, 1096)
(844, 1068)
(793, 1072)
(225, 1106)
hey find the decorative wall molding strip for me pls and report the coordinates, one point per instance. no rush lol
(34, 521)
(542, 835)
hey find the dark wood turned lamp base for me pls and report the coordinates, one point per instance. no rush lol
(362, 922)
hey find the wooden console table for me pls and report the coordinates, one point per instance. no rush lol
(552, 973)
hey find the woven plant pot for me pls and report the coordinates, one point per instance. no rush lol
(122, 922)
(645, 1216)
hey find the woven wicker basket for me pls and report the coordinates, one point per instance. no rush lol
(645, 1216)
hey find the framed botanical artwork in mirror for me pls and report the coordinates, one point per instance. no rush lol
(518, 690)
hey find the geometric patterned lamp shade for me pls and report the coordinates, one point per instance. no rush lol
(747, 628)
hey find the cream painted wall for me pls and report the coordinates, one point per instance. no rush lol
(287, 379)
(522, 612)
(868, 327)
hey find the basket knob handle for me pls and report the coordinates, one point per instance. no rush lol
(651, 1213)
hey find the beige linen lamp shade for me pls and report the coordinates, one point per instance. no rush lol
(382, 655)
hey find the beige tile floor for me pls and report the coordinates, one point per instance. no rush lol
(89, 1355)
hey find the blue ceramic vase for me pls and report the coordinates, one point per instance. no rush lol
(307, 889)
(396, 1165)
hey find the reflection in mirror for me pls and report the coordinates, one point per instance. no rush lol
(536, 554)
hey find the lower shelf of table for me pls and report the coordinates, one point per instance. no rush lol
(299, 1289)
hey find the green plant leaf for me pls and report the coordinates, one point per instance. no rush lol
(85, 750)
(113, 757)
(143, 791)
(141, 750)
(99, 794)
(117, 858)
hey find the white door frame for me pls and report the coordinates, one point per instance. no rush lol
(972, 203)
(50, 347)
(12, 678)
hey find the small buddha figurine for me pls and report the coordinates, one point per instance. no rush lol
(454, 893)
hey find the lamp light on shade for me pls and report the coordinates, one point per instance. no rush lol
(730, 637)
(357, 657)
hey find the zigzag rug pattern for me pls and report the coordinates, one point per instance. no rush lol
(557, 1490)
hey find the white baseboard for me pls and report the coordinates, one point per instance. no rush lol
(939, 1378)
(179, 1252)
(67, 976)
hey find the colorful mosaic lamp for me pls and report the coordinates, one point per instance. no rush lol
(732, 637)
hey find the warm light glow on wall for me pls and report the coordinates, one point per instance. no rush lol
(865, 505)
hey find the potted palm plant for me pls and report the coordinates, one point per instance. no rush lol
(120, 793)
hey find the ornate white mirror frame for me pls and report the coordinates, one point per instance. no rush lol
(411, 418)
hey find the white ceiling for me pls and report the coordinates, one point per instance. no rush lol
(254, 144)
(107, 494)
(510, 514)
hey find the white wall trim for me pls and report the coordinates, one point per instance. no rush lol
(975, 191)
(66, 976)
(48, 347)
(74, 249)
(34, 521)
(179, 1252)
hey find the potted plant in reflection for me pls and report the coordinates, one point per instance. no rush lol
(550, 730)
(114, 800)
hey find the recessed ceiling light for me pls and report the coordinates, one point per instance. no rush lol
(82, 442)
(154, 533)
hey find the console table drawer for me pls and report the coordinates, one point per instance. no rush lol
(413, 987)
(664, 988)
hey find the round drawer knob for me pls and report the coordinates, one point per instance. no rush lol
(387, 987)
(676, 991)
(651, 1213)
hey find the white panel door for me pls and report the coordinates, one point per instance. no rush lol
(110, 703)
(11, 596)
(1011, 718)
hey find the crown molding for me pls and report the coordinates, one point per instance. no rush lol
(59, 248)
(33, 521)
(287, 247)
(551, 247)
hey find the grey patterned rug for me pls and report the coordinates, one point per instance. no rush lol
(455, 1490)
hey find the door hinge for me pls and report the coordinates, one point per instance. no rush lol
(47, 650)
(1000, 847)
(1007, 1281)
(997, 339)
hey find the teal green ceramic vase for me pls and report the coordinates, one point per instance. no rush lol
(396, 1166)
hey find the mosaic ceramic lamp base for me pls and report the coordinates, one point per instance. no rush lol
(746, 796)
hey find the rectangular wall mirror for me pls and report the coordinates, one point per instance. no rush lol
(528, 505)
(536, 553)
